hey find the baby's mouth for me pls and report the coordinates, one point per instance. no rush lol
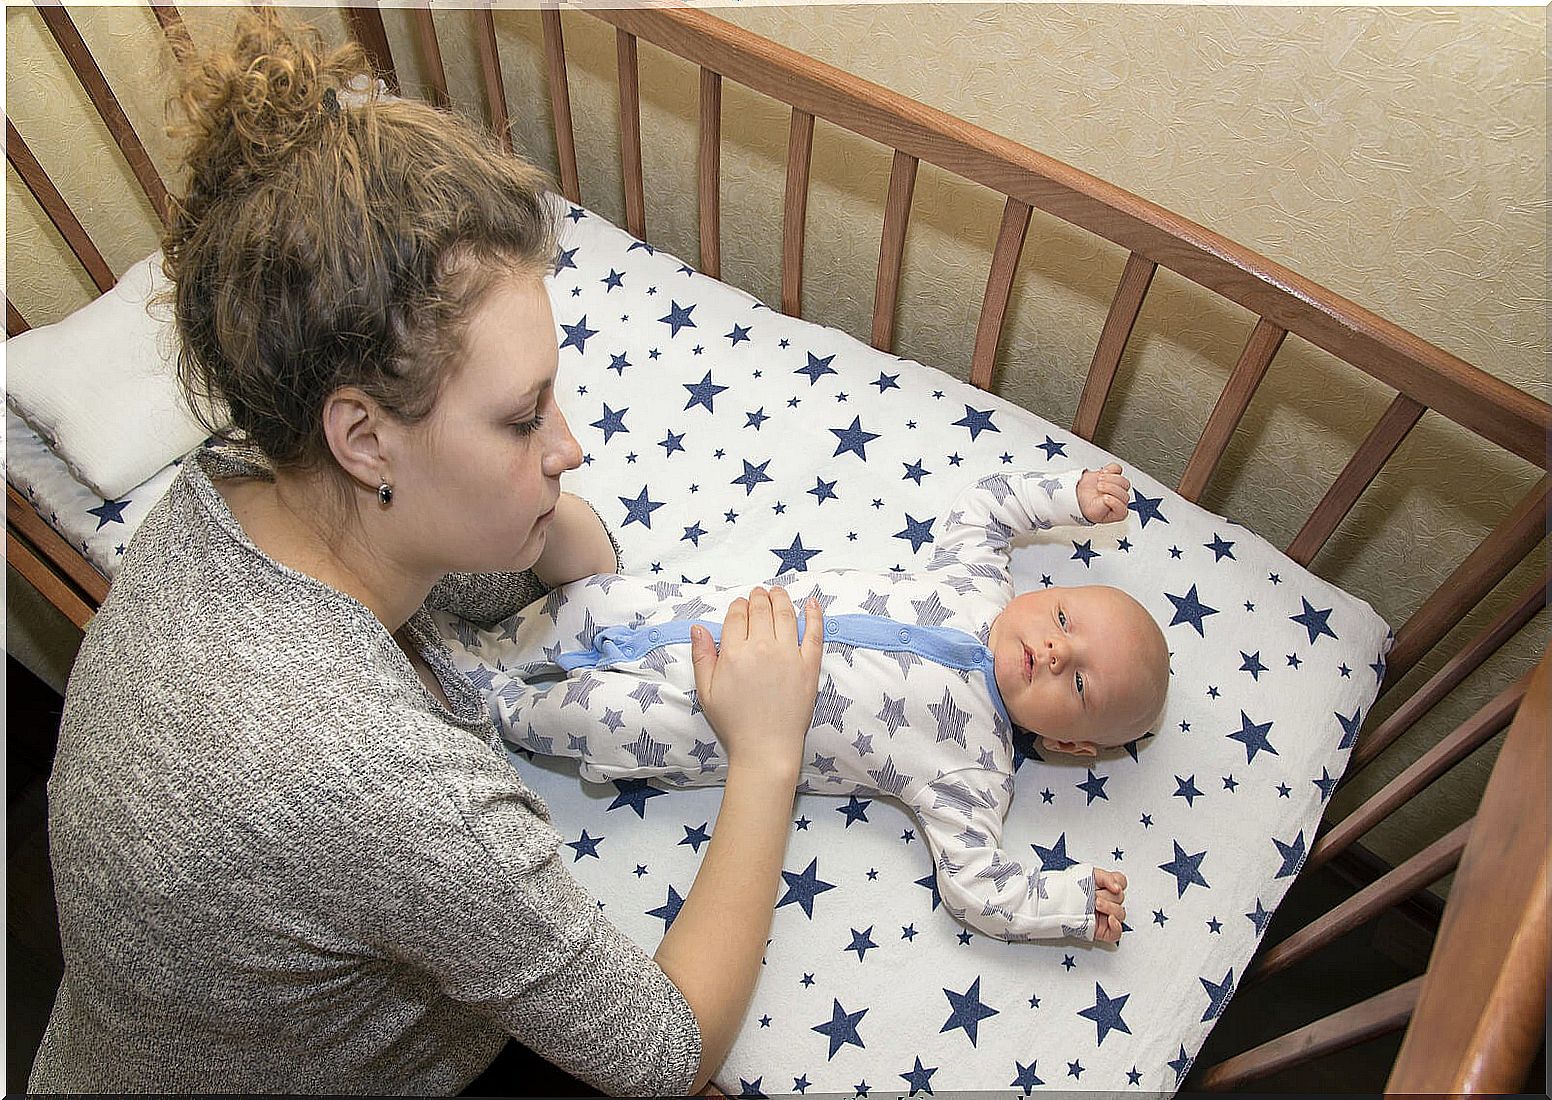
(1029, 664)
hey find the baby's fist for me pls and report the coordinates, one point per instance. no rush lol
(1102, 494)
(1109, 894)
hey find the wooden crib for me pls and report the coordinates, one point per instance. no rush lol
(1474, 1021)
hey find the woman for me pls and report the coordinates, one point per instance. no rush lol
(288, 852)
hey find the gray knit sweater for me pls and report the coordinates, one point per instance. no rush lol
(282, 866)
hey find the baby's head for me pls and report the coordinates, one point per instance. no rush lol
(1084, 668)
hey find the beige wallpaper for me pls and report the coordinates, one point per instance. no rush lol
(1397, 155)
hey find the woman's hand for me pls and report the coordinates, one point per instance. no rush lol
(1102, 494)
(758, 689)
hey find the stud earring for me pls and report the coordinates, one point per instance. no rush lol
(385, 494)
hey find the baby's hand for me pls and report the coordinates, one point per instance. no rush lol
(1109, 893)
(1102, 494)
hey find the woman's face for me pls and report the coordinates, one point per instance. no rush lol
(482, 472)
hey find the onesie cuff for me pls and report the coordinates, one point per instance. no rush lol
(1068, 896)
(1064, 502)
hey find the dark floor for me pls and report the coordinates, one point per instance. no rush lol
(1366, 961)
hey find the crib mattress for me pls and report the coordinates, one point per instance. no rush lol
(727, 442)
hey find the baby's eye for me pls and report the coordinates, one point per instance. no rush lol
(1061, 617)
(1078, 676)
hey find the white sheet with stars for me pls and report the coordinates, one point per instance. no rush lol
(725, 441)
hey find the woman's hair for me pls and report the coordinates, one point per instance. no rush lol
(329, 236)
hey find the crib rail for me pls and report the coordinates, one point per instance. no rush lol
(1477, 1007)
(1488, 406)
(1426, 377)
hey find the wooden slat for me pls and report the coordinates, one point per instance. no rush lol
(490, 74)
(1232, 403)
(1486, 642)
(56, 208)
(1379, 1015)
(107, 104)
(431, 54)
(560, 104)
(1450, 750)
(1479, 1020)
(173, 29)
(66, 559)
(1473, 579)
(897, 216)
(15, 323)
(20, 556)
(1488, 406)
(1124, 308)
(709, 174)
(794, 219)
(1427, 866)
(999, 285)
(630, 134)
(366, 27)
(1377, 447)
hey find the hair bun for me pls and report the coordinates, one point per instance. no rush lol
(249, 105)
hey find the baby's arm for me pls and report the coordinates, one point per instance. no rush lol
(985, 518)
(993, 892)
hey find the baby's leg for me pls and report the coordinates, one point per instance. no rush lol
(619, 725)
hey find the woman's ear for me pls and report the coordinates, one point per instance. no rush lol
(353, 426)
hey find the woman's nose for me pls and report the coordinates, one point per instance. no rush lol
(564, 453)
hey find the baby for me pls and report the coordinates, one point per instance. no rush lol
(924, 677)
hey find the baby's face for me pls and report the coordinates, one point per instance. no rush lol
(1084, 665)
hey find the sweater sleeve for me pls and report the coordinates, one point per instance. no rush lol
(459, 879)
(984, 885)
(485, 598)
(985, 518)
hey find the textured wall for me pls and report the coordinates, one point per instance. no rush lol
(1397, 155)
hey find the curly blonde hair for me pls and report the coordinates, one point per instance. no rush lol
(330, 236)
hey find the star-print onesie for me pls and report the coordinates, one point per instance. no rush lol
(908, 705)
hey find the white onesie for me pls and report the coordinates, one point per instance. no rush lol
(908, 706)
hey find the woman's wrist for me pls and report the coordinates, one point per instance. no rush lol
(775, 773)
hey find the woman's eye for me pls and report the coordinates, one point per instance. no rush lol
(528, 427)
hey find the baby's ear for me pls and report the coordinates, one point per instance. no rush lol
(1072, 748)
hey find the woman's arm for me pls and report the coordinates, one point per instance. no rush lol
(576, 545)
(758, 694)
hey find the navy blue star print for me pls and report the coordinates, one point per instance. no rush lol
(841, 1028)
(109, 511)
(703, 392)
(577, 335)
(803, 888)
(853, 439)
(1106, 1013)
(678, 318)
(919, 1077)
(1185, 869)
(1314, 621)
(1188, 609)
(968, 1011)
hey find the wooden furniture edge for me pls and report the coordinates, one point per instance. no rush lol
(1478, 1022)
(33, 530)
(1487, 405)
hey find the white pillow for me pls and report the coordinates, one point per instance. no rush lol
(99, 386)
